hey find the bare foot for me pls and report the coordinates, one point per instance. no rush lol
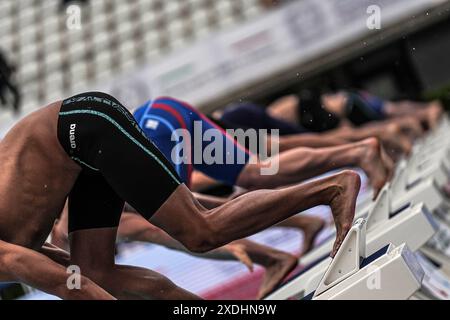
(310, 232)
(343, 202)
(371, 161)
(276, 271)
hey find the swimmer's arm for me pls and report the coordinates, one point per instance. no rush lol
(19, 264)
(209, 202)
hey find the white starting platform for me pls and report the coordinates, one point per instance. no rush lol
(414, 226)
(392, 272)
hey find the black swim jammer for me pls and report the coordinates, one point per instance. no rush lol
(119, 163)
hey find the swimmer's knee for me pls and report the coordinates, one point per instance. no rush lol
(9, 258)
(201, 244)
(203, 239)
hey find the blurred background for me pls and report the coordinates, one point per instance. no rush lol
(212, 53)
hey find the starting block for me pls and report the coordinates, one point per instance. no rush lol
(413, 226)
(390, 273)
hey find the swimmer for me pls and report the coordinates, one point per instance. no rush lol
(90, 148)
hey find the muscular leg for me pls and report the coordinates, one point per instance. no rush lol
(277, 263)
(59, 232)
(16, 95)
(124, 282)
(300, 164)
(295, 165)
(311, 226)
(134, 227)
(200, 230)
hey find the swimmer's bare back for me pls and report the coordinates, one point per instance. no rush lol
(36, 176)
